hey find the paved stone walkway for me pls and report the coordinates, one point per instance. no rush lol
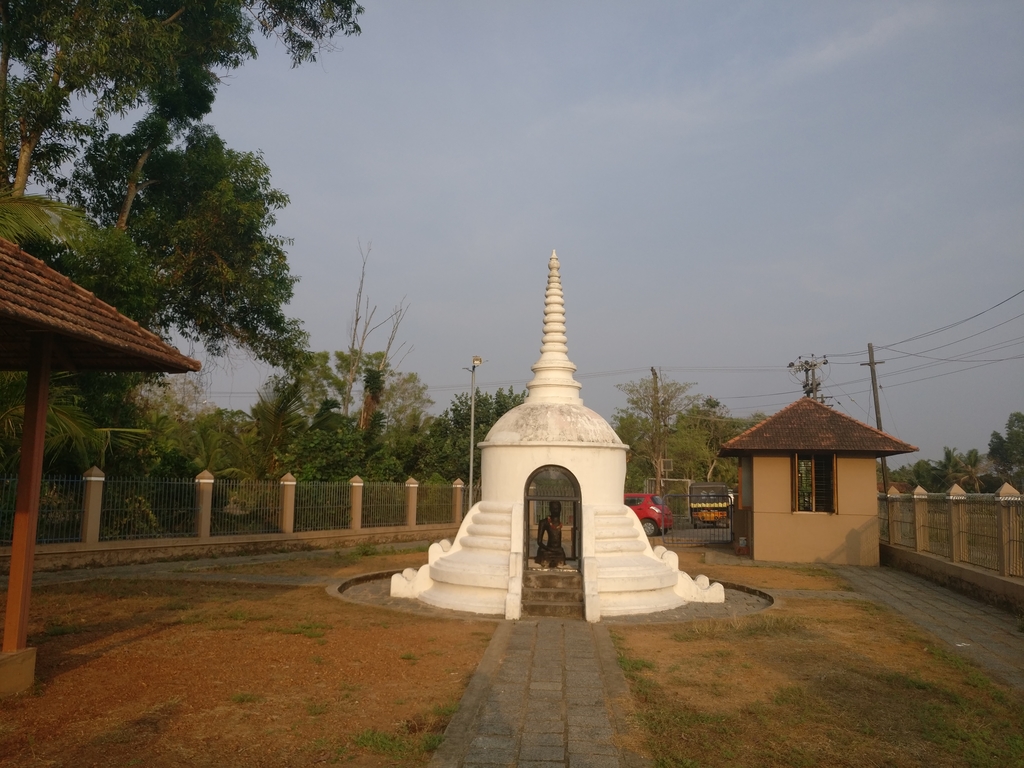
(988, 636)
(547, 693)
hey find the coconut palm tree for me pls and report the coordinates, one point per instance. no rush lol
(68, 428)
(971, 465)
(950, 468)
(24, 217)
(274, 422)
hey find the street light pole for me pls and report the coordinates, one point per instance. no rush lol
(472, 421)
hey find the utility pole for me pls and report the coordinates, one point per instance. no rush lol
(659, 447)
(878, 409)
(477, 360)
(810, 369)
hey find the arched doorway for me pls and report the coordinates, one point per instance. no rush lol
(546, 485)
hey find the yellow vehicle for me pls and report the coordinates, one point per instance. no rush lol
(709, 505)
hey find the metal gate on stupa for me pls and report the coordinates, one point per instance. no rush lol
(548, 484)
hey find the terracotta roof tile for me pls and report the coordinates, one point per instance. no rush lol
(89, 334)
(808, 425)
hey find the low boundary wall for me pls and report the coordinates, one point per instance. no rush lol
(55, 557)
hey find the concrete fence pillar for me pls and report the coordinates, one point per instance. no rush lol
(457, 488)
(1006, 496)
(92, 505)
(287, 523)
(921, 520)
(411, 487)
(356, 502)
(892, 503)
(204, 503)
(957, 498)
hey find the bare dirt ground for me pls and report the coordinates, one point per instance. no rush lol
(170, 673)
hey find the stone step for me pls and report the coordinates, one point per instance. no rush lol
(553, 579)
(554, 610)
(554, 593)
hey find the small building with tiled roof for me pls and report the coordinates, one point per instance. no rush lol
(807, 490)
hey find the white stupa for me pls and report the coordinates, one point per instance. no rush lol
(553, 448)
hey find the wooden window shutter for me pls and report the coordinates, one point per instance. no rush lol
(793, 480)
(835, 483)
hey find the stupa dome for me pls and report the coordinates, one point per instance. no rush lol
(551, 423)
(554, 412)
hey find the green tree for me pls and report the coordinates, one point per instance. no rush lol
(198, 256)
(446, 454)
(653, 405)
(197, 215)
(1007, 451)
(124, 54)
(920, 473)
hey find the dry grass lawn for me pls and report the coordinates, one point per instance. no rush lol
(813, 682)
(170, 673)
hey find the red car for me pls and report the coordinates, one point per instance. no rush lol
(654, 514)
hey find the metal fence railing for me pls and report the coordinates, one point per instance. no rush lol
(60, 509)
(979, 537)
(434, 504)
(322, 506)
(905, 525)
(383, 504)
(8, 496)
(988, 528)
(147, 508)
(936, 524)
(1015, 509)
(883, 518)
(110, 509)
(469, 498)
(245, 506)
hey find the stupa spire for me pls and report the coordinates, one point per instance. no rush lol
(552, 379)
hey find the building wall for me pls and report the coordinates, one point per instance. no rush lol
(848, 537)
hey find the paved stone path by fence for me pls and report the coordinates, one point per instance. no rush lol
(990, 637)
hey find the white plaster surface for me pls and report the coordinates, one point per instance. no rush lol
(481, 571)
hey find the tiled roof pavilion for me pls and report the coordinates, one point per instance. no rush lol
(89, 334)
(47, 322)
(810, 426)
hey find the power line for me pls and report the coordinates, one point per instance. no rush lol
(958, 322)
(936, 330)
(965, 338)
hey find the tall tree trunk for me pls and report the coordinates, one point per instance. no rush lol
(656, 433)
(5, 64)
(133, 188)
(29, 140)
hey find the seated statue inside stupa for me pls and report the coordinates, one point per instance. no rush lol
(550, 553)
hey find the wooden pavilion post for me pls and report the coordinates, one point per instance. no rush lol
(26, 509)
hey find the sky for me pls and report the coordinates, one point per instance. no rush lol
(729, 187)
